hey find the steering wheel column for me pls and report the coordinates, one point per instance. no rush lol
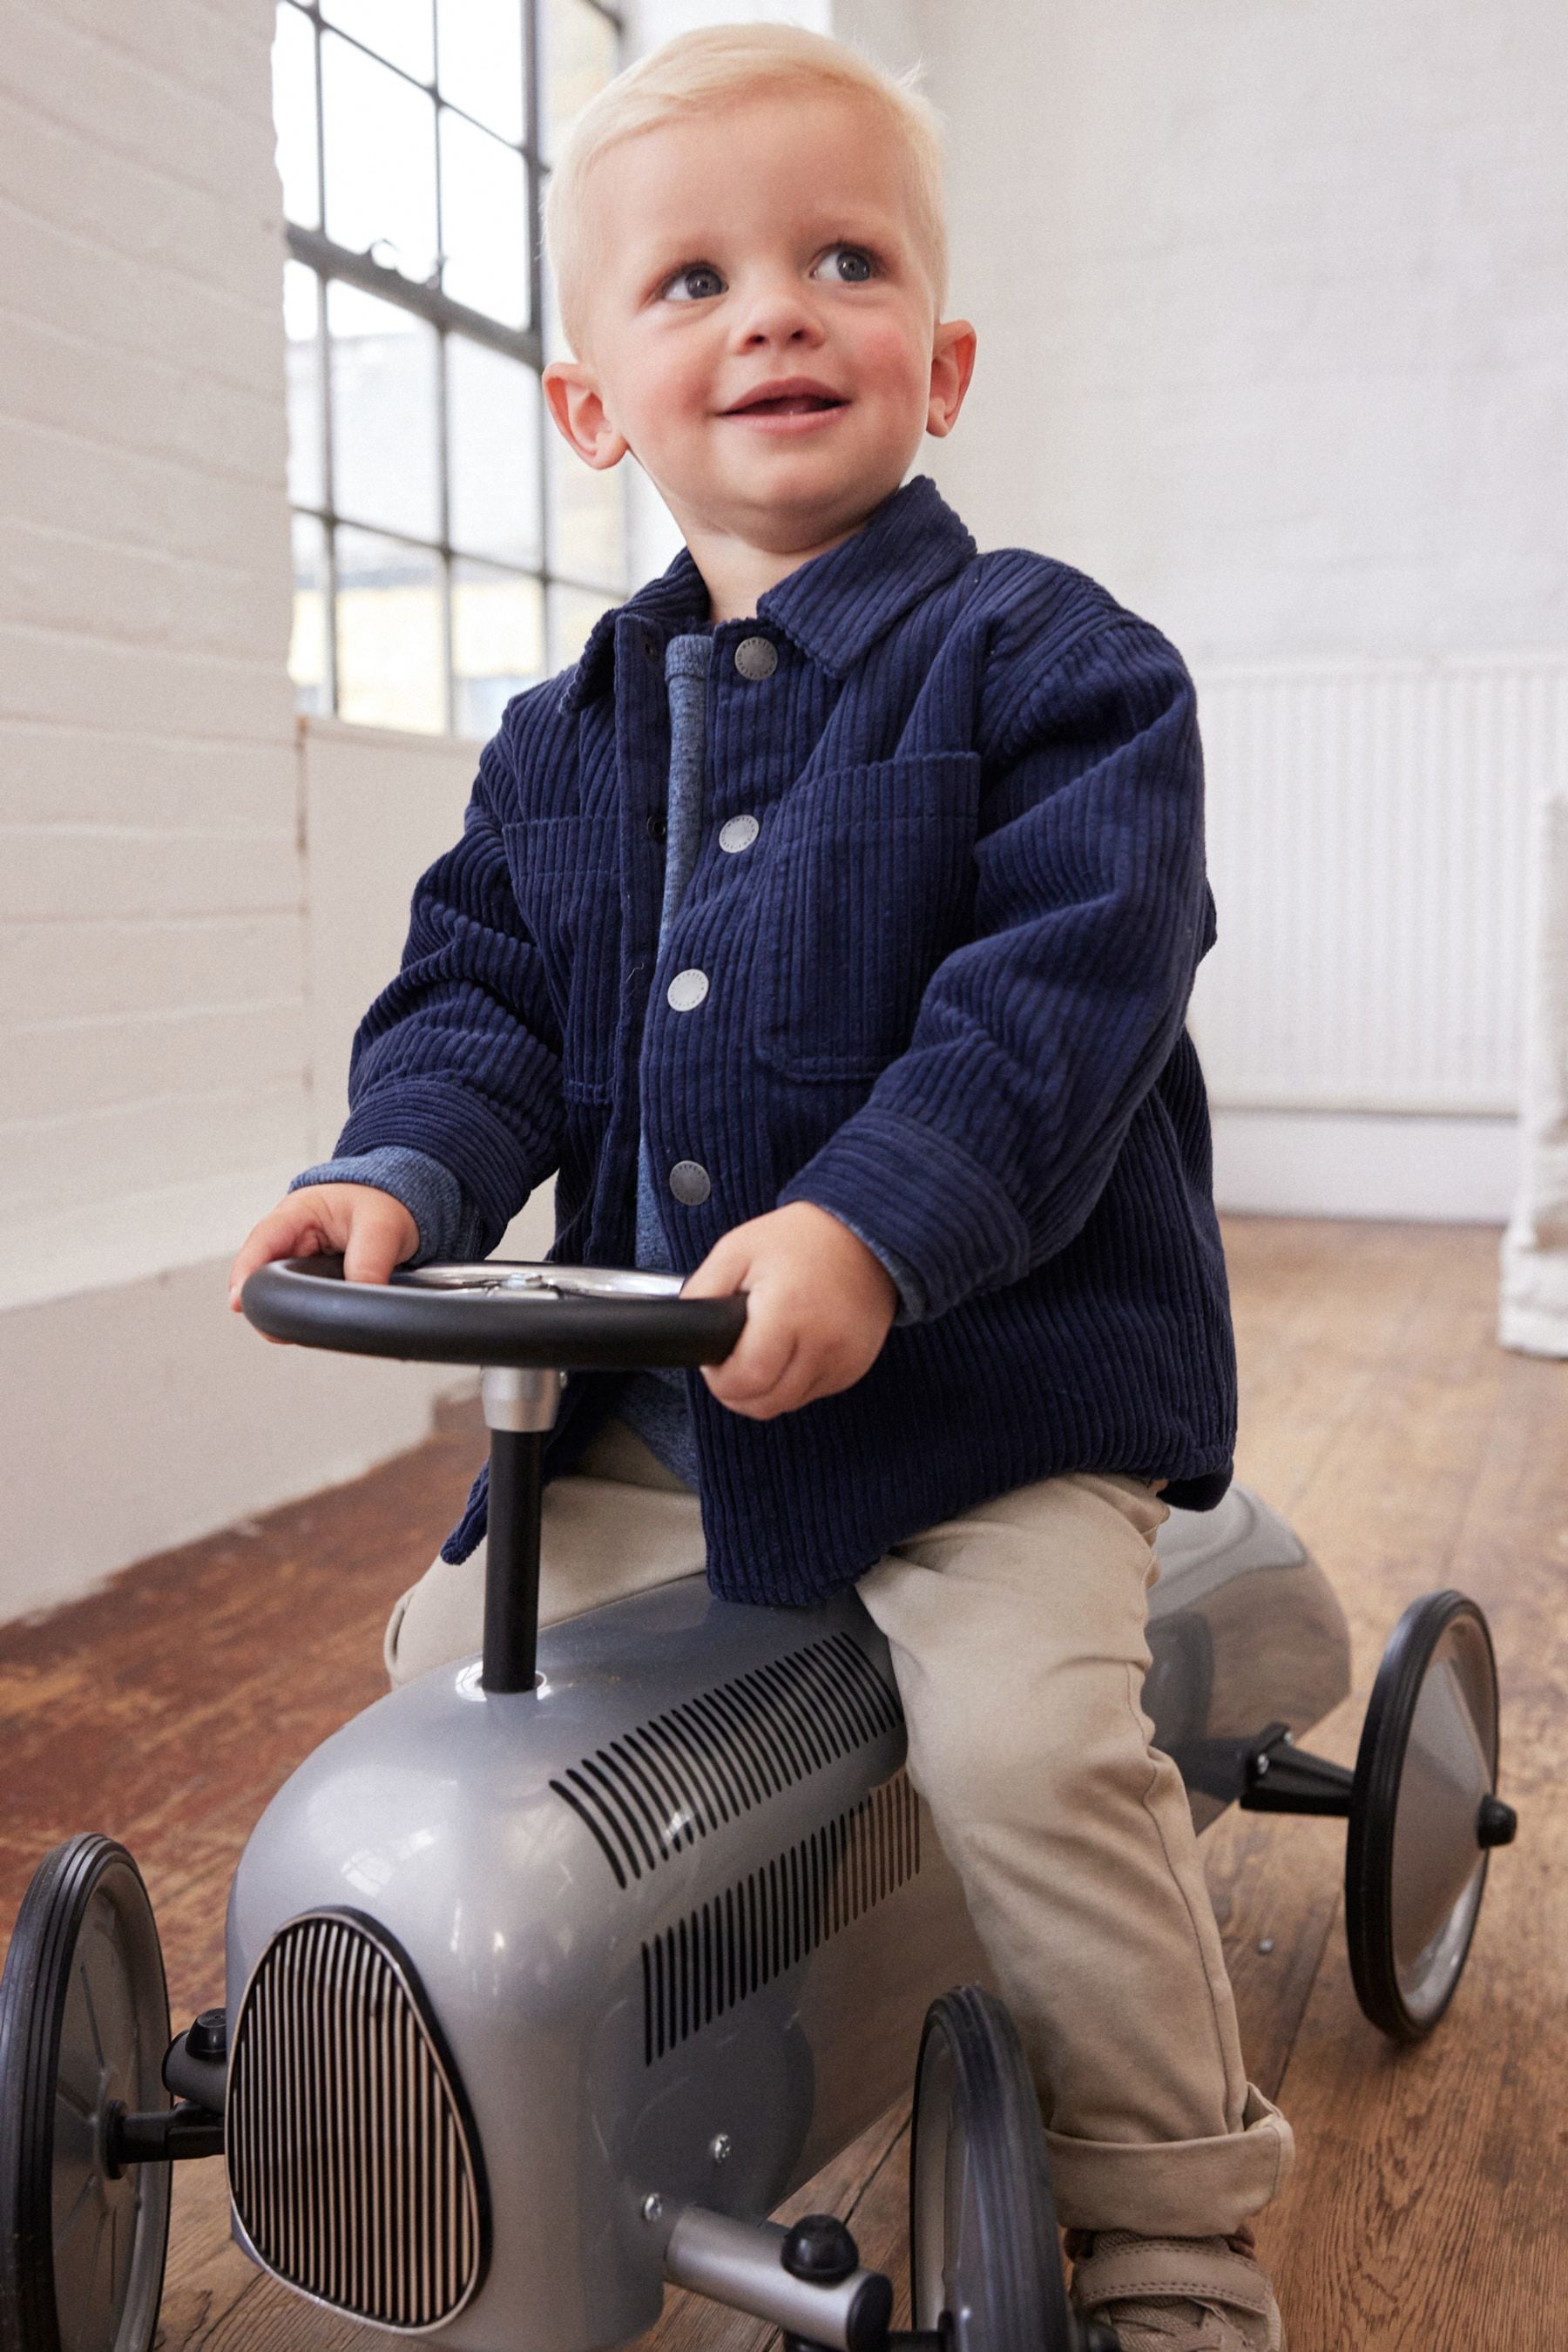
(520, 1402)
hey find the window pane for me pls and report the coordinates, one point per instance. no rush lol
(578, 58)
(481, 60)
(397, 29)
(572, 613)
(484, 213)
(587, 518)
(384, 430)
(381, 162)
(391, 651)
(294, 115)
(301, 327)
(498, 644)
(308, 645)
(492, 425)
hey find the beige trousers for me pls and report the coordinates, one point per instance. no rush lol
(1018, 1639)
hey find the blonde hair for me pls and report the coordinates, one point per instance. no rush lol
(720, 63)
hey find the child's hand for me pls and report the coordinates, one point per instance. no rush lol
(373, 1232)
(818, 1307)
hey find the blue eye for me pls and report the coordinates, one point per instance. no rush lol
(845, 265)
(699, 281)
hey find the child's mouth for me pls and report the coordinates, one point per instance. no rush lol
(789, 404)
(787, 397)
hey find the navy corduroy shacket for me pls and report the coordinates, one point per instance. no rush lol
(947, 985)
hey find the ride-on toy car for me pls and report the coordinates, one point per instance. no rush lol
(554, 1973)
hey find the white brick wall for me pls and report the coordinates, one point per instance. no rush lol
(155, 1047)
(151, 899)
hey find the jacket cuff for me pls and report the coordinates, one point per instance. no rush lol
(455, 1127)
(933, 1210)
(449, 1227)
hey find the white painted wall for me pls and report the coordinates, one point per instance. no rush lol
(157, 981)
(650, 22)
(1532, 1306)
(1270, 300)
(1273, 341)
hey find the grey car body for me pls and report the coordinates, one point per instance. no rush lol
(668, 1925)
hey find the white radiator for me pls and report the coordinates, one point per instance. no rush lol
(1369, 826)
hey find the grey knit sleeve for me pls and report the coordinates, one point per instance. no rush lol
(449, 1226)
(906, 1281)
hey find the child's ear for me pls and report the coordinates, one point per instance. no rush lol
(951, 366)
(572, 390)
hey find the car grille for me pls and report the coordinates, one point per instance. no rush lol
(352, 2168)
(667, 1783)
(769, 1921)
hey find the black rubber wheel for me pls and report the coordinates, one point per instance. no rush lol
(984, 2263)
(1423, 1814)
(84, 2024)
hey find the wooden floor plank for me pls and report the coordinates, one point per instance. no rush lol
(1275, 1886)
(207, 2276)
(1319, 1311)
(1430, 2204)
(1330, 1320)
(1377, 1412)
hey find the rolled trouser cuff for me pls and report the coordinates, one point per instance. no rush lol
(1173, 2188)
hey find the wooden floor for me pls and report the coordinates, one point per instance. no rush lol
(1429, 2207)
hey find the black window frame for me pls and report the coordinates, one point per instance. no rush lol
(328, 260)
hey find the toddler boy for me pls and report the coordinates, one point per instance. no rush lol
(828, 930)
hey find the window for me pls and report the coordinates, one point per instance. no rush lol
(448, 547)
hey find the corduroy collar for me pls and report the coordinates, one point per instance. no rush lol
(834, 608)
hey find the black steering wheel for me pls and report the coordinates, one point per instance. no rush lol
(498, 1311)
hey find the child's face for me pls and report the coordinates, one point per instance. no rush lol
(760, 329)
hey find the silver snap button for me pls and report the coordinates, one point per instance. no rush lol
(689, 1182)
(756, 658)
(738, 833)
(687, 991)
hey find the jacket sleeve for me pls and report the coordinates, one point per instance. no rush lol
(460, 1057)
(982, 1149)
(449, 1227)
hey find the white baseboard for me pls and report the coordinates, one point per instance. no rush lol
(1295, 1164)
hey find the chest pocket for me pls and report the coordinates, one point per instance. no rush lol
(566, 882)
(872, 885)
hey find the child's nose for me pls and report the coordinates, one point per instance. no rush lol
(777, 315)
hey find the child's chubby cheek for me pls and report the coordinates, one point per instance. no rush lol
(887, 363)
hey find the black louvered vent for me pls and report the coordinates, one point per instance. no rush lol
(668, 1782)
(769, 1920)
(350, 2164)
